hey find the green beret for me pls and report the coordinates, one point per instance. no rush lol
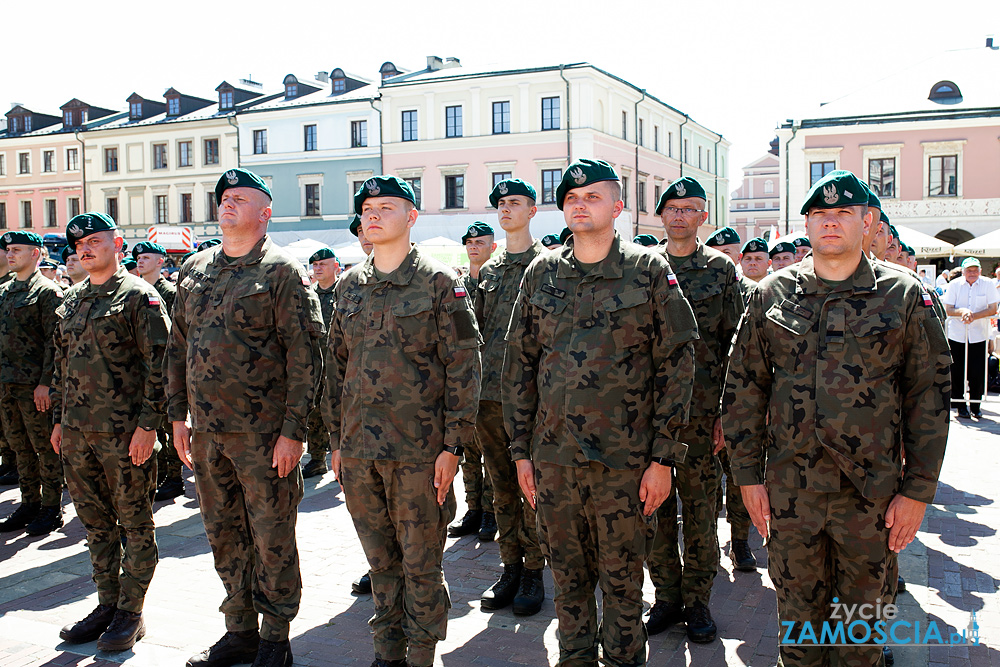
(783, 246)
(20, 238)
(907, 248)
(647, 240)
(892, 230)
(129, 264)
(873, 200)
(355, 224)
(511, 186)
(124, 245)
(883, 217)
(836, 189)
(724, 236)
(550, 239)
(240, 178)
(148, 248)
(682, 188)
(67, 252)
(86, 224)
(584, 172)
(802, 242)
(184, 258)
(210, 243)
(754, 245)
(321, 254)
(476, 230)
(564, 235)
(383, 186)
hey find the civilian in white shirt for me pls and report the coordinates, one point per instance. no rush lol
(970, 302)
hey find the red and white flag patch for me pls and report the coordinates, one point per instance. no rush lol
(154, 300)
(460, 292)
(672, 280)
(927, 299)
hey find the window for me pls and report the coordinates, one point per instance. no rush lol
(355, 186)
(945, 92)
(187, 214)
(309, 138)
(135, 110)
(74, 206)
(943, 176)
(161, 209)
(501, 118)
(51, 219)
(226, 99)
(3, 215)
(415, 186)
(212, 206)
(312, 200)
(768, 187)
(454, 191)
(24, 163)
(642, 196)
(640, 139)
(27, 123)
(453, 121)
(72, 159)
(173, 106)
(211, 151)
(657, 190)
(68, 118)
(3, 164)
(25, 214)
(550, 181)
(185, 154)
(818, 170)
(359, 133)
(699, 157)
(684, 156)
(410, 125)
(881, 177)
(625, 191)
(291, 90)
(259, 142)
(159, 156)
(670, 144)
(339, 85)
(110, 159)
(500, 176)
(48, 161)
(550, 113)
(656, 138)
(625, 125)
(111, 208)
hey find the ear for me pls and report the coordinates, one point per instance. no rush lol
(411, 217)
(532, 212)
(617, 210)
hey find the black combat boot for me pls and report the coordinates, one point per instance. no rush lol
(530, 593)
(503, 592)
(743, 559)
(488, 527)
(363, 585)
(234, 648)
(21, 517)
(169, 488)
(887, 655)
(274, 654)
(468, 525)
(91, 627)
(900, 585)
(379, 662)
(315, 468)
(662, 615)
(701, 629)
(48, 519)
(127, 627)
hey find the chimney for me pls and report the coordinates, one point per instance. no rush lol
(322, 76)
(14, 105)
(989, 43)
(434, 63)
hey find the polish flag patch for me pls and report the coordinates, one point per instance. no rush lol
(460, 292)
(154, 300)
(927, 299)
(672, 280)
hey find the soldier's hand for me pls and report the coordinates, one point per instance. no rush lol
(717, 437)
(56, 437)
(903, 519)
(141, 446)
(526, 479)
(287, 453)
(42, 401)
(335, 464)
(655, 487)
(758, 505)
(445, 469)
(182, 443)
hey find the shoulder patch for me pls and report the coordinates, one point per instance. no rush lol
(927, 298)
(672, 280)
(460, 291)
(154, 300)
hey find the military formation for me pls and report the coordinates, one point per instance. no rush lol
(603, 397)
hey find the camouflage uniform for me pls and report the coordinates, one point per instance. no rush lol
(107, 382)
(244, 357)
(403, 383)
(7, 456)
(27, 322)
(169, 464)
(475, 478)
(596, 382)
(318, 439)
(708, 279)
(747, 287)
(499, 280)
(822, 381)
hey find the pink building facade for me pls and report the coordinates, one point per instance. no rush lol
(756, 204)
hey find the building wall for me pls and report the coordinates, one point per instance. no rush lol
(755, 204)
(61, 185)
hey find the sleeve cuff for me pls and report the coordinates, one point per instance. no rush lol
(748, 475)
(918, 488)
(150, 421)
(665, 448)
(520, 450)
(293, 430)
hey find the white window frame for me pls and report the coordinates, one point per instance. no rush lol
(455, 170)
(310, 179)
(825, 154)
(940, 148)
(19, 154)
(66, 156)
(880, 152)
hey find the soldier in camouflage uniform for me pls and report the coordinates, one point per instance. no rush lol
(754, 261)
(782, 254)
(727, 241)
(107, 402)
(326, 269)
(499, 280)
(8, 460)
(74, 270)
(708, 279)
(27, 321)
(596, 386)
(802, 247)
(402, 393)
(832, 358)
(244, 359)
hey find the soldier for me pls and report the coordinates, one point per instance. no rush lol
(802, 248)
(107, 402)
(782, 254)
(892, 247)
(27, 321)
(244, 358)
(74, 269)
(647, 240)
(402, 393)
(551, 241)
(479, 518)
(326, 269)
(521, 580)
(754, 261)
(727, 241)
(831, 358)
(48, 269)
(597, 382)
(8, 460)
(708, 280)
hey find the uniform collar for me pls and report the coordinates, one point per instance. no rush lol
(109, 287)
(401, 275)
(807, 282)
(610, 267)
(255, 255)
(329, 290)
(524, 258)
(696, 260)
(18, 285)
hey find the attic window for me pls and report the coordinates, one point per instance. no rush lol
(173, 106)
(225, 99)
(291, 89)
(339, 80)
(135, 110)
(945, 92)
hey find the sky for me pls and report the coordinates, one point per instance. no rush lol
(738, 68)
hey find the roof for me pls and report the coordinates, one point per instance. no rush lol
(318, 97)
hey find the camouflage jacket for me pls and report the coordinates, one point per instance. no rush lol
(167, 291)
(599, 365)
(27, 322)
(499, 280)
(403, 371)
(245, 348)
(708, 279)
(822, 382)
(109, 345)
(327, 300)
(747, 287)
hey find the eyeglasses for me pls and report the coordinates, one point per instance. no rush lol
(686, 212)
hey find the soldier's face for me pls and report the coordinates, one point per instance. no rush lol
(387, 219)
(148, 263)
(244, 208)
(479, 249)
(592, 208)
(326, 271)
(880, 239)
(366, 245)
(514, 212)
(903, 259)
(20, 257)
(782, 259)
(836, 232)
(74, 270)
(98, 252)
(730, 250)
(800, 253)
(681, 218)
(755, 265)
(891, 249)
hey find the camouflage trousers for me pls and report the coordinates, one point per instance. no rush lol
(319, 435)
(825, 546)
(7, 455)
(402, 530)
(249, 514)
(593, 532)
(478, 487)
(736, 511)
(169, 463)
(517, 534)
(28, 430)
(108, 491)
(696, 483)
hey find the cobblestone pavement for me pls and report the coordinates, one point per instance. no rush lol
(45, 583)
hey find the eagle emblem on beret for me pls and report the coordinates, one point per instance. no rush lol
(502, 188)
(681, 190)
(830, 195)
(373, 188)
(232, 178)
(75, 230)
(578, 176)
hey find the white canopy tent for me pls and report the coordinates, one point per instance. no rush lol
(987, 245)
(924, 244)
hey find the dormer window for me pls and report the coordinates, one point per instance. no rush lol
(291, 89)
(173, 106)
(226, 99)
(15, 124)
(339, 80)
(388, 70)
(68, 118)
(135, 110)
(27, 123)
(945, 92)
